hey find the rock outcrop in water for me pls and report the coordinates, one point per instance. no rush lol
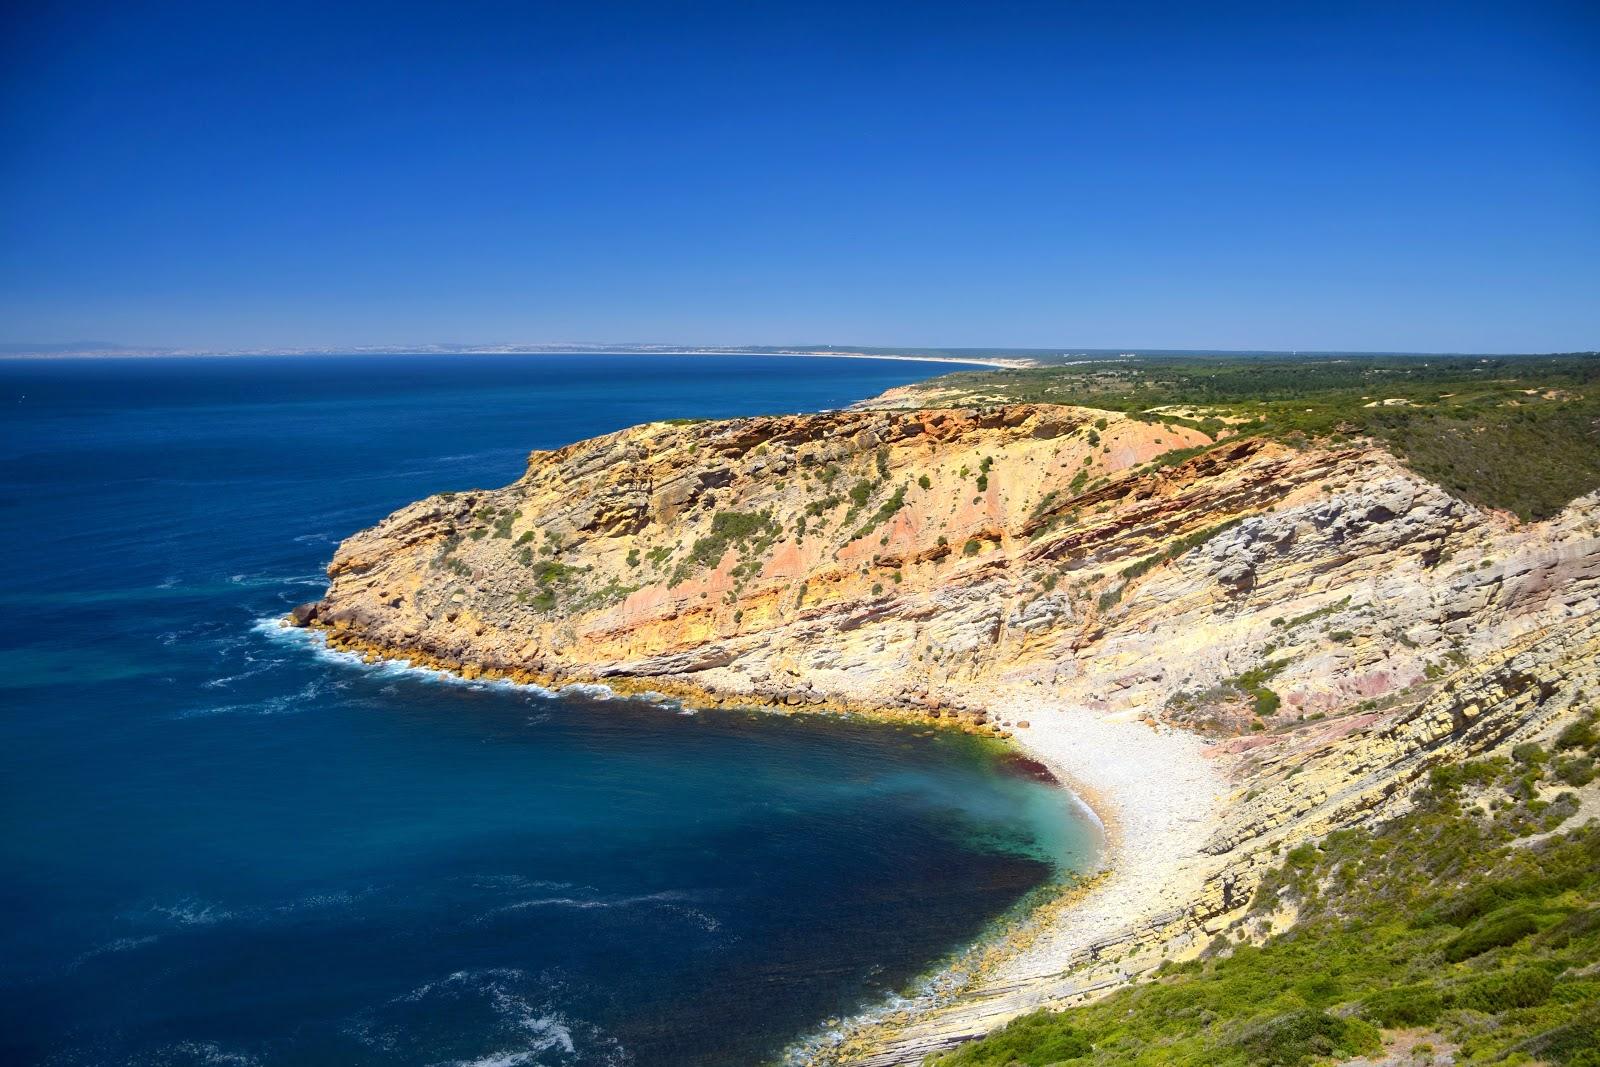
(1332, 624)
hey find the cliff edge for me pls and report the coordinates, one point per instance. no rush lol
(1309, 629)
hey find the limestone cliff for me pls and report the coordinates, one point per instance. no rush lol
(1320, 622)
(943, 560)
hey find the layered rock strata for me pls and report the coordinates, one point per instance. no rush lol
(1315, 627)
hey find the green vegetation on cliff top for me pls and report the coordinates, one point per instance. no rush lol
(1514, 432)
(1456, 920)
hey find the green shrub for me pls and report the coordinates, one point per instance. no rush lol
(1525, 987)
(1179, 547)
(1576, 771)
(1301, 620)
(1579, 924)
(751, 532)
(972, 547)
(1252, 683)
(1319, 990)
(1576, 1044)
(885, 512)
(1505, 927)
(925, 482)
(1459, 909)
(1403, 1005)
(1035, 1040)
(1528, 753)
(1299, 1037)
(817, 508)
(1139, 568)
(1580, 734)
(1044, 504)
(1452, 776)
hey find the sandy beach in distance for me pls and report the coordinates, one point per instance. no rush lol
(1000, 363)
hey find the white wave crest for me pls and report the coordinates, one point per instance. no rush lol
(498, 1059)
(256, 580)
(191, 911)
(274, 628)
(228, 679)
(210, 1054)
(670, 900)
(283, 704)
(121, 944)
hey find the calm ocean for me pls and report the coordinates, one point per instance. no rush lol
(220, 845)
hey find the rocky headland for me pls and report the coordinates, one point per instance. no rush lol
(1229, 644)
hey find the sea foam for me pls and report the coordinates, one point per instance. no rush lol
(274, 628)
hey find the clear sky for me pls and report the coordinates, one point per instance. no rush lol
(1339, 176)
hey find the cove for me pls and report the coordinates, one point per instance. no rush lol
(222, 846)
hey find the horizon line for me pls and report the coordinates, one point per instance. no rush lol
(1008, 354)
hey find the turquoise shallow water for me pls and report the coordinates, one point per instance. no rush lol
(221, 844)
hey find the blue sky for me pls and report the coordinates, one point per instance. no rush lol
(1342, 176)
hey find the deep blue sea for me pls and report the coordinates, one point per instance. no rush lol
(220, 844)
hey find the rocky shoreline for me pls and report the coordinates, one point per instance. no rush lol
(1225, 645)
(1188, 855)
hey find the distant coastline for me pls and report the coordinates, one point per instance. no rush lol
(108, 351)
(999, 357)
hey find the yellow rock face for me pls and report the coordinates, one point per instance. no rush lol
(944, 559)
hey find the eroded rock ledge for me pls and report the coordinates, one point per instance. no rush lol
(1321, 623)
